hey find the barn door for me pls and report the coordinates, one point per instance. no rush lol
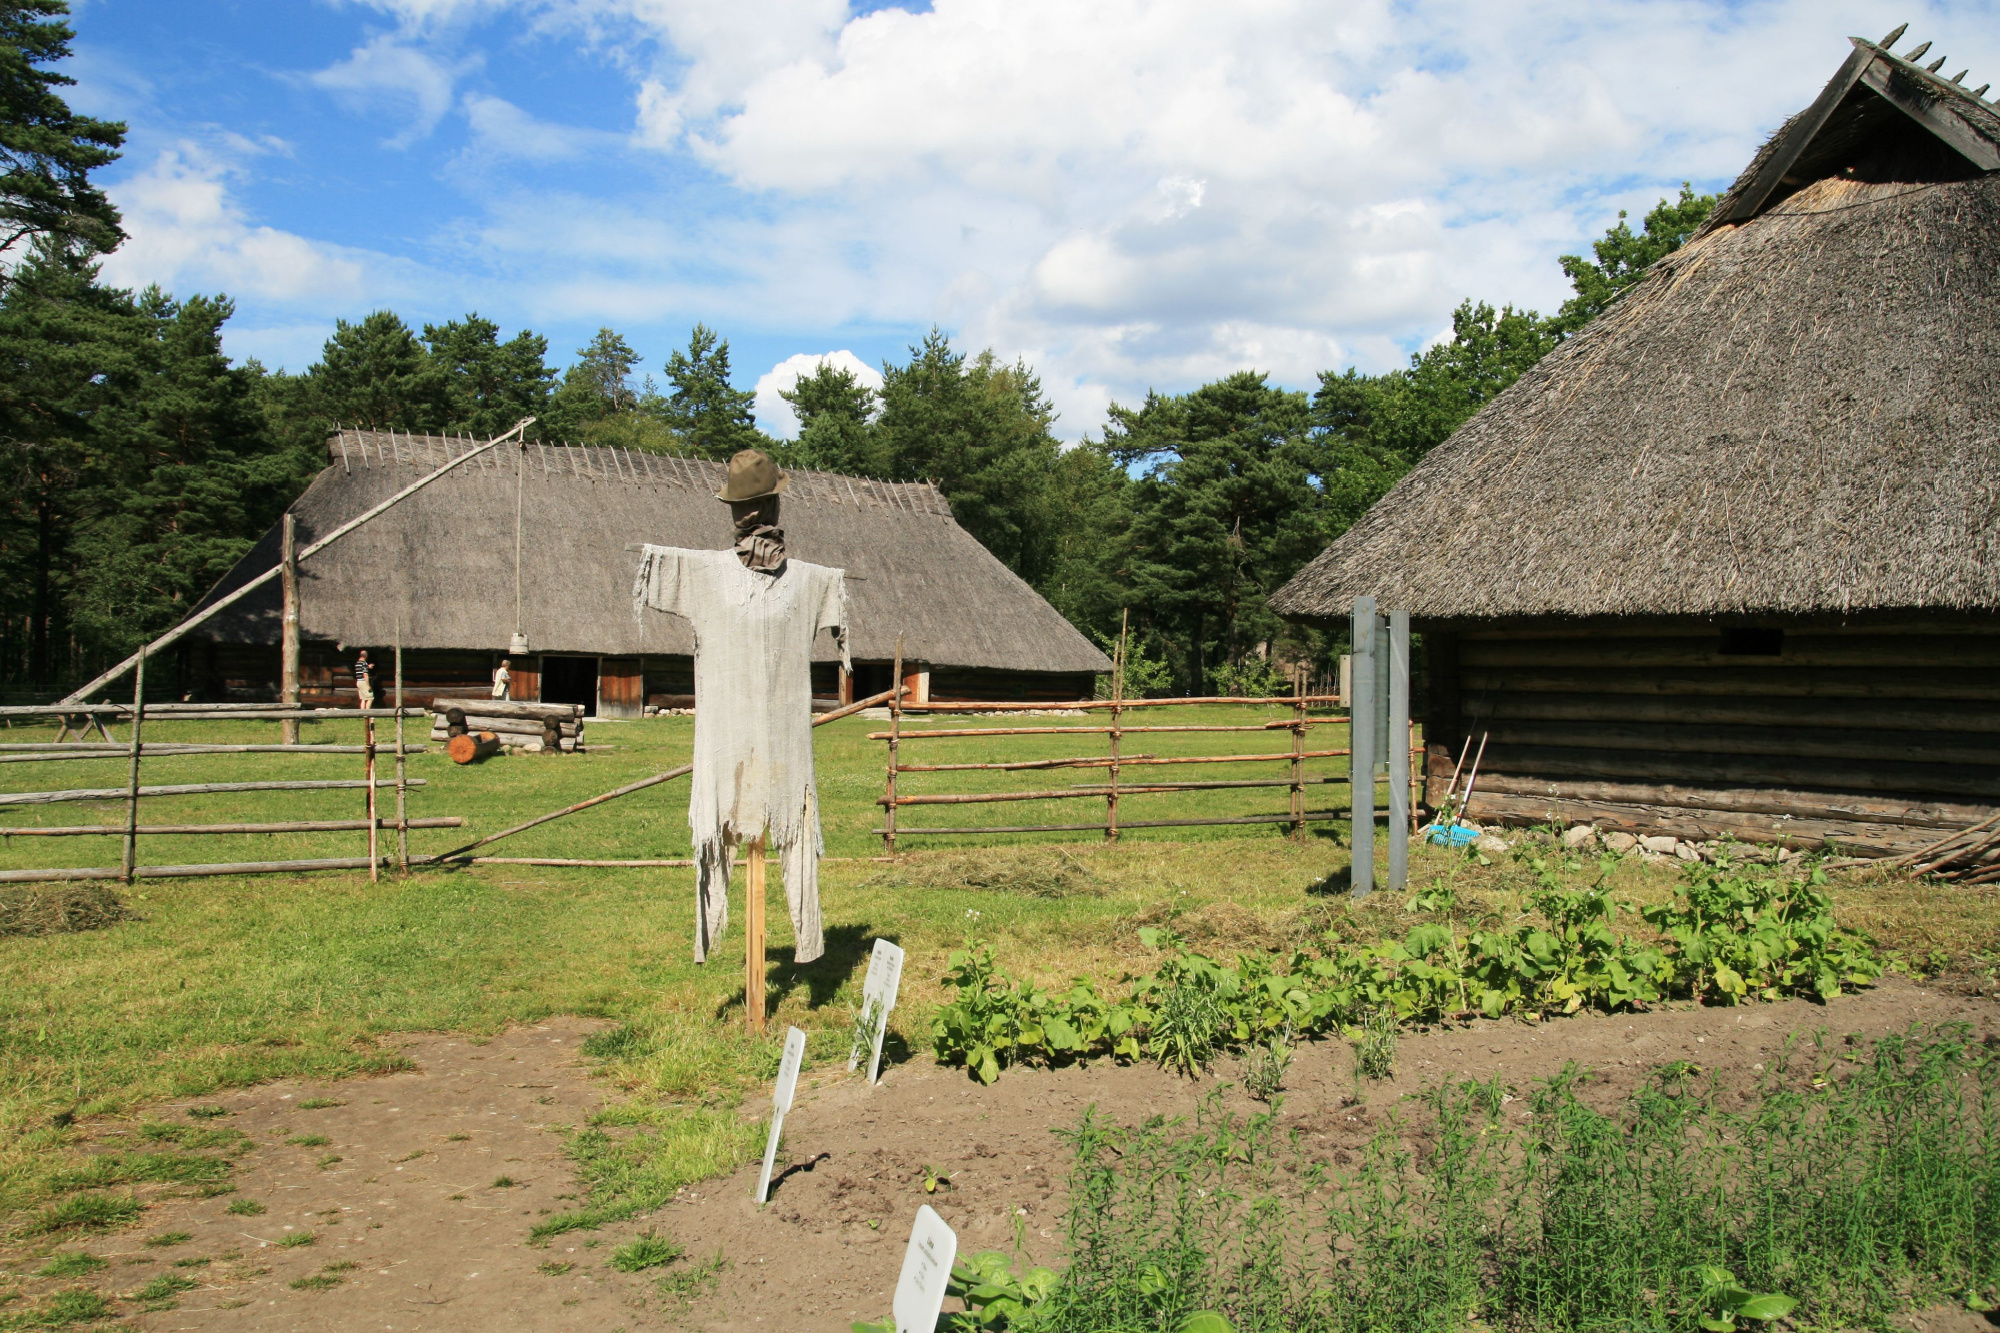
(621, 688)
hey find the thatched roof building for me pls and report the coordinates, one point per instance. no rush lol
(441, 565)
(1728, 560)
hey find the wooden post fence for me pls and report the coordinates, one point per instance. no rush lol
(130, 860)
(288, 650)
(895, 730)
(402, 767)
(1117, 698)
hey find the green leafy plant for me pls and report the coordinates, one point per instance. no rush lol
(293, 1240)
(168, 1238)
(994, 1297)
(1724, 1301)
(245, 1208)
(164, 1288)
(1726, 936)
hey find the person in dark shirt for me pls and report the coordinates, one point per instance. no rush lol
(364, 679)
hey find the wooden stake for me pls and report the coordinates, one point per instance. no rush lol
(1117, 697)
(753, 938)
(288, 652)
(1298, 752)
(131, 856)
(895, 735)
(368, 760)
(402, 766)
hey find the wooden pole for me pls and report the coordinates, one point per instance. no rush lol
(895, 730)
(753, 938)
(131, 856)
(214, 608)
(374, 824)
(197, 830)
(288, 659)
(626, 790)
(402, 766)
(179, 789)
(1298, 752)
(1117, 697)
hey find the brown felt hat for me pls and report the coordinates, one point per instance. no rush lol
(752, 476)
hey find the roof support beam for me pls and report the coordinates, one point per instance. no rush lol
(1935, 114)
(1786, 153)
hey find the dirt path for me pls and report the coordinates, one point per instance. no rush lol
(401, 1198)
(408, 1214)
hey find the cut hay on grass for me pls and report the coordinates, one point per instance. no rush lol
(1035, 872)
(59, 909)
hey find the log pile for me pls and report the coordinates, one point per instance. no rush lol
(518, 726)
(1970, 855)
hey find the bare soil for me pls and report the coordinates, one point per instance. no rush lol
(437, 1244)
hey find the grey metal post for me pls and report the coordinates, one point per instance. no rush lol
(1361, 748)
(1399, 749)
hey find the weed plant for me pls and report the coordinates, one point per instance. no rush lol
(1375, 1045)
(1850, 1184)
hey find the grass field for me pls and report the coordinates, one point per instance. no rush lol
(225, 981)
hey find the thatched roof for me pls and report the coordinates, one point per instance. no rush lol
(1798, 412)
(443, 560)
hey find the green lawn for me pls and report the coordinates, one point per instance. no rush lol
(226, 981)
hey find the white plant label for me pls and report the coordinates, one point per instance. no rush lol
(920, 1291)
(878, 997)
(781, 1102)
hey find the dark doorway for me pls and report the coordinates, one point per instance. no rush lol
(570, 680)
(871, 678)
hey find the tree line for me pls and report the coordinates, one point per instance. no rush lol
(140, 463)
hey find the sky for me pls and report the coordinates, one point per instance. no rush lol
(1129, 196)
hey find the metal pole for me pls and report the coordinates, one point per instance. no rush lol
(288, 659)
(1361, 747)
(402, 766)
(130, 861)
(1399, 749)
(1117, 698)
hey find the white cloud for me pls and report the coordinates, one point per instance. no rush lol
(187, 233)
(1146, 192)
(388, 73)
(501, 129)
(774, 414)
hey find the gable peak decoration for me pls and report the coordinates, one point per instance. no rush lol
(1875, 97)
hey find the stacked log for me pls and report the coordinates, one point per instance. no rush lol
(517, 726)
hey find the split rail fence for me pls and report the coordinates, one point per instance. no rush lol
(82, 718)
(1118, 782)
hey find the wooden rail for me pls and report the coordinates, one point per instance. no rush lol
(1113, 759)
(197, 830)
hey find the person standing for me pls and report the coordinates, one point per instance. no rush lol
(503, 681)
(364, 679)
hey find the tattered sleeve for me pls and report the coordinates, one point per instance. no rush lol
(666, 576)
(833, 612)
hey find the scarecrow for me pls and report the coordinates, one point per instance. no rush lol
(755, 613)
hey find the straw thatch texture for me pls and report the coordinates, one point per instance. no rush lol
(1798, 414)
(442, 561)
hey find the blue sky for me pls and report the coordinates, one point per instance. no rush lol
(1129, 195)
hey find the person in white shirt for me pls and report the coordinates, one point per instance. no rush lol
(503, 681)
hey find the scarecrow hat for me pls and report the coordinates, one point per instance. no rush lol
(752, 476)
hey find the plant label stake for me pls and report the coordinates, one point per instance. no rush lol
(878, 997)
(781, 1102)
(920, 1291)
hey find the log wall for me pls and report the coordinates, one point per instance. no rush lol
(1865, 735)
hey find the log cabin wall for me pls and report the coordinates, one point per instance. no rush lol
(1872, 736)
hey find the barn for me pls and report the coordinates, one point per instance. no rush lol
(438, 571)
(1727, 562)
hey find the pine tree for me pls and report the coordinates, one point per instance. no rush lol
(47, 151)
(836, 423)
(704, 408)
(376, 375)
